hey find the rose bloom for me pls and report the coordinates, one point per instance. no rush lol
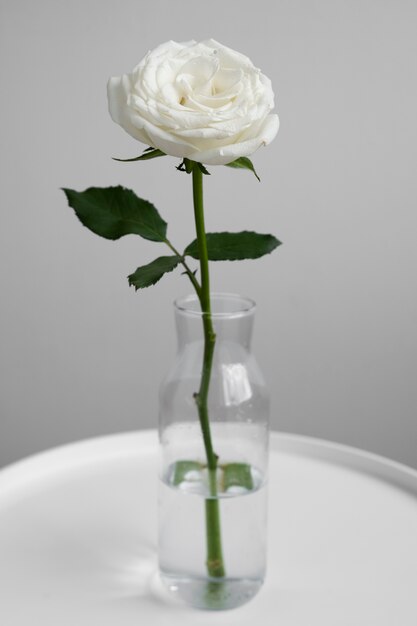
(200, 101)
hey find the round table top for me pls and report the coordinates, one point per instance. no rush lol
(78, 539)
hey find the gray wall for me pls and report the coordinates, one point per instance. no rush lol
(81, 353)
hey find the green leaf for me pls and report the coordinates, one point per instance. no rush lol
(148, 275)
(234, 246)
(113, 212)
(182, 468)
(244, 163)
(237, 475)
(149, 153)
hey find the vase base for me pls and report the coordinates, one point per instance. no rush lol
(212, 594)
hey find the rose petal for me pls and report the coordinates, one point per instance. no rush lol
(168, 143)
(231, 152)
(117, 99)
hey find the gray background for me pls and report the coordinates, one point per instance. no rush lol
(81, 353)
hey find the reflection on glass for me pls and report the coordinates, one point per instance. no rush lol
(236, 385)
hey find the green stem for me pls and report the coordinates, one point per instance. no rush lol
(188, 271)
(215, 566)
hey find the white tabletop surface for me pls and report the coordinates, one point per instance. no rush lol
(78, 539)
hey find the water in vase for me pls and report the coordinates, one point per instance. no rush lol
(241, 493)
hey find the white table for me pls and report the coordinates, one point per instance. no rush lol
(78, 539)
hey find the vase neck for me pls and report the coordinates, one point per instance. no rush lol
(232, 318)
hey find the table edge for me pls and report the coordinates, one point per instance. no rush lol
(129, 444)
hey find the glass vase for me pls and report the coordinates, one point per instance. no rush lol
(205, 519)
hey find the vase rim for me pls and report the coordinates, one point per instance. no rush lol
(238, 305)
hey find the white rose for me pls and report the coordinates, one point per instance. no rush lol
(201, 101)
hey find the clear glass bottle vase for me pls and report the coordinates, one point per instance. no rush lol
(220, 517)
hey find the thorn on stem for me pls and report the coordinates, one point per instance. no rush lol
(197, 398)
